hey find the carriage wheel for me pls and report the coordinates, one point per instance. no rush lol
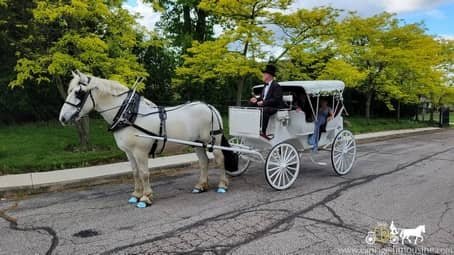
(243, 163)
(343, 152)
(282, 166)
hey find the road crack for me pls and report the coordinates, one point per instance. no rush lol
(286, 218)
(15, 226)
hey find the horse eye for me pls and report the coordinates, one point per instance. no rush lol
(80, 93)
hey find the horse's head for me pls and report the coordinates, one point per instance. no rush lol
(423, 228)
(77, 104)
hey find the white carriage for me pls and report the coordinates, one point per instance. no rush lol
(291, 130)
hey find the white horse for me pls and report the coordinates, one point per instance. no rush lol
(191, 122)
(405, 234)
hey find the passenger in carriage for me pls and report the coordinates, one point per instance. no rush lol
(325, 114)
(302, 105)
(270, 98)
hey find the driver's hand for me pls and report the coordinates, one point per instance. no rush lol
(253, 100)
(260, 103)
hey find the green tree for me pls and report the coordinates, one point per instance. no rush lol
(411, 72)
(240, 51)
(235, 52)
(183, 21)
(93, 36)
(384, 59)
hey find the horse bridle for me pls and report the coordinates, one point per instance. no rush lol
(82, 96)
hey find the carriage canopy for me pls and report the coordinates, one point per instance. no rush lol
(314, 88)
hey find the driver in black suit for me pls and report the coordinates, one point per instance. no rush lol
(270, 98)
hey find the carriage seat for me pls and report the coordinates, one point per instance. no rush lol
(282, 114)
(288, 101)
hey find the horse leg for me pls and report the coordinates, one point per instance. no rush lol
(223, 180)
(144, 176)
(138, 189)
(202, 185)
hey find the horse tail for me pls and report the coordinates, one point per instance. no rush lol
(217, 116)
(230, 157)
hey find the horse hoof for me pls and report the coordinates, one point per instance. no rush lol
(133, 200)
(196, 190)
(141, 205)
(221, 190)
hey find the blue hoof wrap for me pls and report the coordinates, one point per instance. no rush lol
(141, 205)
(133, 200)
(221, 190)
(195, 190)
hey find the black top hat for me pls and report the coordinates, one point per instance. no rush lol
(271, 69)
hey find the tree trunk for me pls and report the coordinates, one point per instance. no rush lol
(417, 113)
(240, 83)
(239, 90)
(398, 111)
(431, 114)
(83, 131)
(83, 125)
(368, 105)
(200, 29)
(187, 22)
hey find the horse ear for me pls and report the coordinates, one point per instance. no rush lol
(73, 74)
(78, 72)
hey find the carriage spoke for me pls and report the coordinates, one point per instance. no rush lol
(275, 177)
(292, 168)
(279, 179)
(342, 164)
(349, 143)
(351, 148)
(337, 160)
(292, 175)
(273, 169)
(290, 159)
(286, 154)
(274, 174)
(273, 163)
(285, 177)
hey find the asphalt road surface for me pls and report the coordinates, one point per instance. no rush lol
(409, 181)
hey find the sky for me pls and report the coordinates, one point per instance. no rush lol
(437, 15)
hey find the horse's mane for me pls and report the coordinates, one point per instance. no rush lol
(107, 86)
(104, 86)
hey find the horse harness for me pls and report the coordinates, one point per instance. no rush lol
(129, 110)
(127, 115)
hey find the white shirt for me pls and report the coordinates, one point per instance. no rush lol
(267, 87)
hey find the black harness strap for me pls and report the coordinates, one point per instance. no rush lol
(127, 113)
(82, 96)
(162, 132)
(213, 132)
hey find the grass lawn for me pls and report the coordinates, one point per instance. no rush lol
(360, 125)
(49, 146)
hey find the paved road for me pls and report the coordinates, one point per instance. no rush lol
(408, 180)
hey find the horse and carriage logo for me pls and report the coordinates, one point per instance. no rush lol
(384, 233)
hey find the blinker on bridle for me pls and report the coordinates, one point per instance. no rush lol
(82, 96)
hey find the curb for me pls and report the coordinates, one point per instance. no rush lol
(93, 175)
(119, 172)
